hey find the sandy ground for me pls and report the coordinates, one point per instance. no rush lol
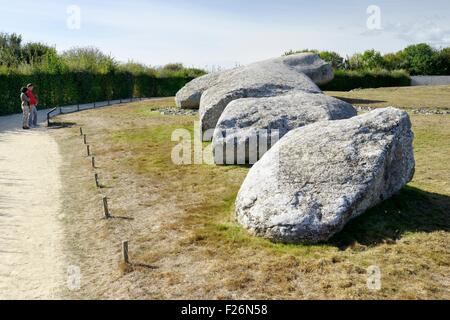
(31, 259)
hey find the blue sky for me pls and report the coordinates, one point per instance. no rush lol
(227, 32)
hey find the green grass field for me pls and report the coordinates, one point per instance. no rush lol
(185, 242)
(408, 98)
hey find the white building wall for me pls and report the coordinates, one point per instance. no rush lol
(430, 80)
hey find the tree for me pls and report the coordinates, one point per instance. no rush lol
(442, 61)
(89, 59)
(355, 62)
(137, 68)
(179, 70)
(445, 53)
(420, 59)
(34, 52)
(394, 61)
(12, 41)
(10, 50)
(173, 67)
(53, 63)
(368, 60)
(334, 58)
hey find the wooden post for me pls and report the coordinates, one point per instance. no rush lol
(81, 131)
(105, 208)
(93, 162)
(88, 150)
(125, 252)
(97, 184)
(84, 139)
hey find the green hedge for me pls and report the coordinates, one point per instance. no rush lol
(349, 80)
(83, 87)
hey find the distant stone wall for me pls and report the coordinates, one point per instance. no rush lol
(430, 80)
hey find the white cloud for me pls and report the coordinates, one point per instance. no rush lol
(431, 30)
(425, 31)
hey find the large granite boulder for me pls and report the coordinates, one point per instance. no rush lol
(309, 64)
(249, 127)
(250, 82)
(318, 177)
(318, 70)
(189, 96)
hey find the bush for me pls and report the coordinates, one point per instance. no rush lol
(368, 60)
(89, 59)
(349, 80)
(418, 59)
(83, 87)
(79, 75)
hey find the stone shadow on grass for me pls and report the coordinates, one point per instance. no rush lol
(411, 210)
(359, 101)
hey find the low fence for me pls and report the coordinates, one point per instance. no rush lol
(54, 90)
(86, 106)
(430, 80)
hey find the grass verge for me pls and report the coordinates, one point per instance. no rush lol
(184, 242)
(408, 98)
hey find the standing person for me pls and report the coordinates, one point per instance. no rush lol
(25, 108)
(32, 122)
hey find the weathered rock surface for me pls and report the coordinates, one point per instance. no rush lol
(249, 127)
(250, 82)
(318, 70)
(318, 177)
(309, 64)
(189, 96)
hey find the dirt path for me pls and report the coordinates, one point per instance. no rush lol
(31, 259)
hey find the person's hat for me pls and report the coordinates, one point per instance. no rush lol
(30, 85)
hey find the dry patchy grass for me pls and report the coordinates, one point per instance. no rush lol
(420, 97)
(184, 242)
